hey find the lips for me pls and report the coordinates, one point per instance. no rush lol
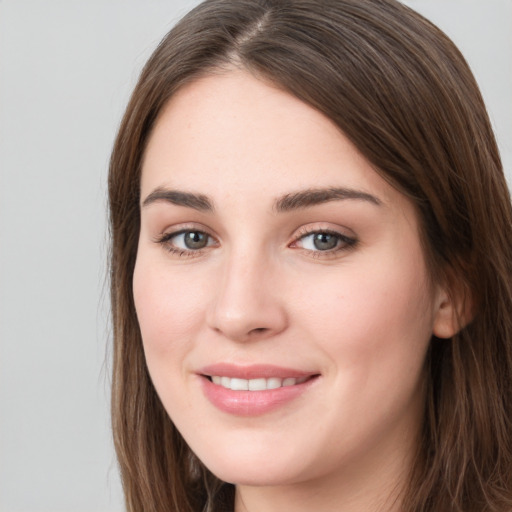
(253, 390)
(254, 371)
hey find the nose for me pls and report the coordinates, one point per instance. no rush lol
(247, 304)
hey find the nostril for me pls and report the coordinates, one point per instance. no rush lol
(259, 329)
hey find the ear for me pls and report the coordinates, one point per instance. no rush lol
(454, 310)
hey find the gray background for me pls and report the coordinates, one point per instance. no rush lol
(66, 70)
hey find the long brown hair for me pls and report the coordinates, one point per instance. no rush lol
(402, 93)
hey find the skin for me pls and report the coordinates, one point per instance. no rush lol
(360, 315)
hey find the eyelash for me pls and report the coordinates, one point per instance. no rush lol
(165, 241)
(344, 242)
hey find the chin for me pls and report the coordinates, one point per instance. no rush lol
(251, 476)
(255, 467)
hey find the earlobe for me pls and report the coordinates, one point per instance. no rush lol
(453, 312)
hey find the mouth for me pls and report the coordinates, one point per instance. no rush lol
(258, 384)
(254, 390)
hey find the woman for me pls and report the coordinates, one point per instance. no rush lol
(311, 268)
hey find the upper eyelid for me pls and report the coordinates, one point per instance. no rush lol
(295, 235)
(310, 229)
(177, 229)
(342, 236)
(167, 235)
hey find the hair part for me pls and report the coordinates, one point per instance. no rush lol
(399, 89)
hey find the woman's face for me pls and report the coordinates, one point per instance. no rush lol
(280, 287)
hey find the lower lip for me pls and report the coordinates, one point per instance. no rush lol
(252, 403)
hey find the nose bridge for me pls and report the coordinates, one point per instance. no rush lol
(247, 302)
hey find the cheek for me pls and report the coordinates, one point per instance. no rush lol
(377, 320)
(169, 307)
(373, 328)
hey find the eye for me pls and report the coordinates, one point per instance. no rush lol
(186, 241)
(324, 241)
(192, 240)
(320, 241)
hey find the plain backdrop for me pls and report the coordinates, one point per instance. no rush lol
(66, 71)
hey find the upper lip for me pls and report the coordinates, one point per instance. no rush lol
(253, 371)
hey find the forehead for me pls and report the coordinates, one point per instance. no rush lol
(232, 133)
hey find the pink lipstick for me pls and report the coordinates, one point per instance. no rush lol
(253, 390)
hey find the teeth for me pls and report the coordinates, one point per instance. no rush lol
(255, 384)
(273, 383)
(239, 384)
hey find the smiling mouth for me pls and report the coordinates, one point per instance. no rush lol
(259, 384)
(253, 390)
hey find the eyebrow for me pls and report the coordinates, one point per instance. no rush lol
(188, 199)
(314, 196)
(289, 202)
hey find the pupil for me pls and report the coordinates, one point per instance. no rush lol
(325, 241)
(195, 240)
